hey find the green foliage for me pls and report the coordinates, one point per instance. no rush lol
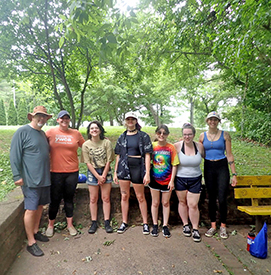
(3, 120)
(12, 113)
(22, 113)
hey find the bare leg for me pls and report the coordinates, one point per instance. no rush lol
(105, 192)
(93, 196)
(192, 201)
(166, 206)
(182, 207)
(155, 195)
(125, 195)
(140, 195)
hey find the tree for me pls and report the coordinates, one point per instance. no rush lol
(22, 113)
(55, 44)
(3, 120)
(12, 113)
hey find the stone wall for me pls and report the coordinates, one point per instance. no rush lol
(12, 234)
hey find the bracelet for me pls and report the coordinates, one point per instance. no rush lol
(234, 174)
(231, 162)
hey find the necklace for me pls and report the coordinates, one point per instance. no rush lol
(131, 131)
(212, 139)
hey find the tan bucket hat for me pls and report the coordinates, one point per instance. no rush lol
(38, 110)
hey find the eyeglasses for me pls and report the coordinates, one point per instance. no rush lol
(187, 124)
(187, 135)
(162, 133)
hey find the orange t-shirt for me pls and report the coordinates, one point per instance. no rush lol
(63, 149)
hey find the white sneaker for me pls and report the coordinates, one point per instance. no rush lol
(49, 232)
(223, 233)
(211, 232)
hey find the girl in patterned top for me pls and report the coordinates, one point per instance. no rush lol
(165, 161)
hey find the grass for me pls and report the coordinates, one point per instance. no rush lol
(250, 158)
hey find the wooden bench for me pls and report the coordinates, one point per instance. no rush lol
(256, 188)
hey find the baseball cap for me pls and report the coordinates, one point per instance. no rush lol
(213, 114)
(63, 113)
(131, 114)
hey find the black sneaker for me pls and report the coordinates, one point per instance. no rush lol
(123, 228)
(187, 230)
(93, 227)
(107, 227)
(146, 230)
(154, 231)
(40, 237)
(196, 235)
(35, 250)
(166, 232)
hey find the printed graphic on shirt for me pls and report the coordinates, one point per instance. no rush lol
(97, 155)
(63, 139)
(163, 157)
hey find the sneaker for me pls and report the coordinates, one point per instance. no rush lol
(187, 230)
(123, 228)
(49, 232)
(40, 237)
(146, 230)
(196, 235)
(107, 227)
(223, 233)
(93, 227)
(166, 232)
(154, 231)
(72, 231)
(34, 250)
(211, 232)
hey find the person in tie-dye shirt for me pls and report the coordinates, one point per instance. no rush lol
(164, 167)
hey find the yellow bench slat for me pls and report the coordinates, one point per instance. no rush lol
(252, 193)
(257, 210)
(253, 180)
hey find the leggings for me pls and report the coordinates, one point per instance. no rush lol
(63, 185)
(217, 179)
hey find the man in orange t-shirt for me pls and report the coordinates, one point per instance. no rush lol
(64, 143)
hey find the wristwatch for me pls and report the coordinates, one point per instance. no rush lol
(234, 174)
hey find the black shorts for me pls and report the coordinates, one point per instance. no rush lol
(157, 186)
(135, 171)
(192, 185)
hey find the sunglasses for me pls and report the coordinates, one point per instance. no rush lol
(162, 133)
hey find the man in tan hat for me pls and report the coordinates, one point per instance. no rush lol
(30, 164)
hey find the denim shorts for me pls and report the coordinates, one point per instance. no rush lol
(192, 185)
(92, 180)
(33, 197)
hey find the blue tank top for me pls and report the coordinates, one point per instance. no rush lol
(214, 150)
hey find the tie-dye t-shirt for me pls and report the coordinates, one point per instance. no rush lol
(163, 158)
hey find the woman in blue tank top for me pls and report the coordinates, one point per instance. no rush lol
(216, 171)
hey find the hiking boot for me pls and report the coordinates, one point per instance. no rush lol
(72, 231)
(223, 233)
(146, 230)
(34, 250)
(154, 231)
(123, 227)
(93, 227)
(211, 232)
(195, 235)
(107, 227)
(49, 232)
(166, 232)
(187, 230)
(40, 237)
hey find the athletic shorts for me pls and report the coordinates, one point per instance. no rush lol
(134, 165)
(33, 197)
(92, 180)
(192, 185)
(159, 187)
